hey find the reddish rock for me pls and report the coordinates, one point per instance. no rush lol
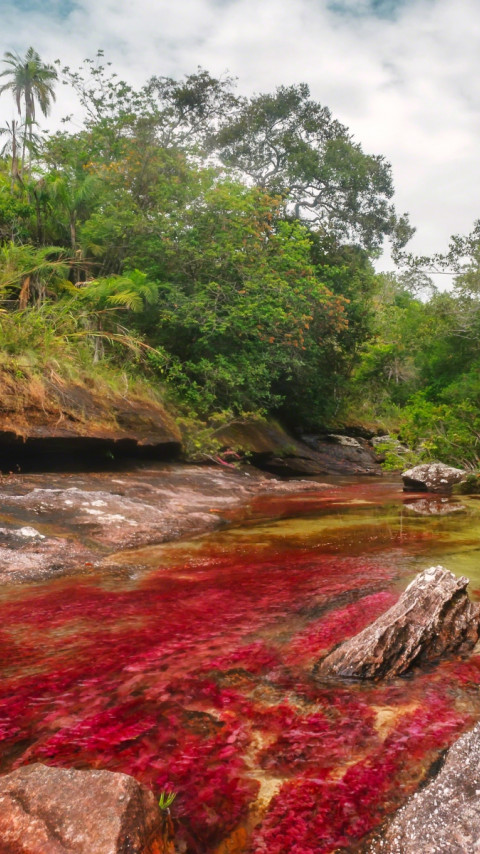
(433, 617)
(97, 513)
(47, 810)
(444, 817)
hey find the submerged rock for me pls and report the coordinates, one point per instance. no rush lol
(433, 617)
(47, 810)
(432, 477)
(444, 817)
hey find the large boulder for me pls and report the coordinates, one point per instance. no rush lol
(444, 817)
(272, 449)
(47, 810)
(433, 617)
(432, 477)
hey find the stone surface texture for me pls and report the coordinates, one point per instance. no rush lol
(274, 450)
(433, 617)
(444, 817)
(47, 810)
(58, 523)
(432, 477)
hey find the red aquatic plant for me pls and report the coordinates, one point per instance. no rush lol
(199, 672)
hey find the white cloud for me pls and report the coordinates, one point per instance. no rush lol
(405, 85)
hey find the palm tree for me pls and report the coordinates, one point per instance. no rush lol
(31, 81)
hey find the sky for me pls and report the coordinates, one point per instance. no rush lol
(402, 75)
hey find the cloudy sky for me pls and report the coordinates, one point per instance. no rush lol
(403, 75)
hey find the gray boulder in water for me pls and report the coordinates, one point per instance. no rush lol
(432, 477)
(433, 617)
(444, 817)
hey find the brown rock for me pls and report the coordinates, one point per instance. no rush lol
(433, 617)
(47, 810)
(443, 818)
(432, 477)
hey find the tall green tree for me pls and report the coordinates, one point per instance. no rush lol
(288, 143)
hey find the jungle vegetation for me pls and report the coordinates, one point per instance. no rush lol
(222, 248)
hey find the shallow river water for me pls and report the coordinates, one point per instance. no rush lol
(195, 672)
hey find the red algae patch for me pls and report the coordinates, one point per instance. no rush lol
(199, 678)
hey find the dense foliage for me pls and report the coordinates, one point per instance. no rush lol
(164, 218)
(232, 240)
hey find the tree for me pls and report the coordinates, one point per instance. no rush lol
(31, 81)
(287, 143)
(10, 146)
(189, 111)
(242, 315)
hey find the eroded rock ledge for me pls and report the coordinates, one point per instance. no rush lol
(51, 417)
(433, 617)
(444, 817)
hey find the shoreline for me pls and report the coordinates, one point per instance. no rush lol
(59, 524)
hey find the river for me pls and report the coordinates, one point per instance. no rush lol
(192, 668)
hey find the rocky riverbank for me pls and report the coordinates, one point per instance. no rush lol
(59, 523)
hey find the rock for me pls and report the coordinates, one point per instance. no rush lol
(271, 448)
(444, 817)
(344, 454)
(433, 617)
(47, 810)
(75, 522)
(432, 477)
(346, 441)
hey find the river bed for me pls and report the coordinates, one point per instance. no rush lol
(191, 666)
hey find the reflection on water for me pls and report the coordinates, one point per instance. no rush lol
(191, 668)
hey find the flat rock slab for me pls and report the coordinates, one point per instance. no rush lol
(432, 477)
(433, 617)
(47, 810)
(443, 818)
(57, 523)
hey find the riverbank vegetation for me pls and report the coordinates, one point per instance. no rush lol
(221, 249)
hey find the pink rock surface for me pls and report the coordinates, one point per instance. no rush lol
(46, 810)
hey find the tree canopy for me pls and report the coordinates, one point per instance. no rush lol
(232, 239)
